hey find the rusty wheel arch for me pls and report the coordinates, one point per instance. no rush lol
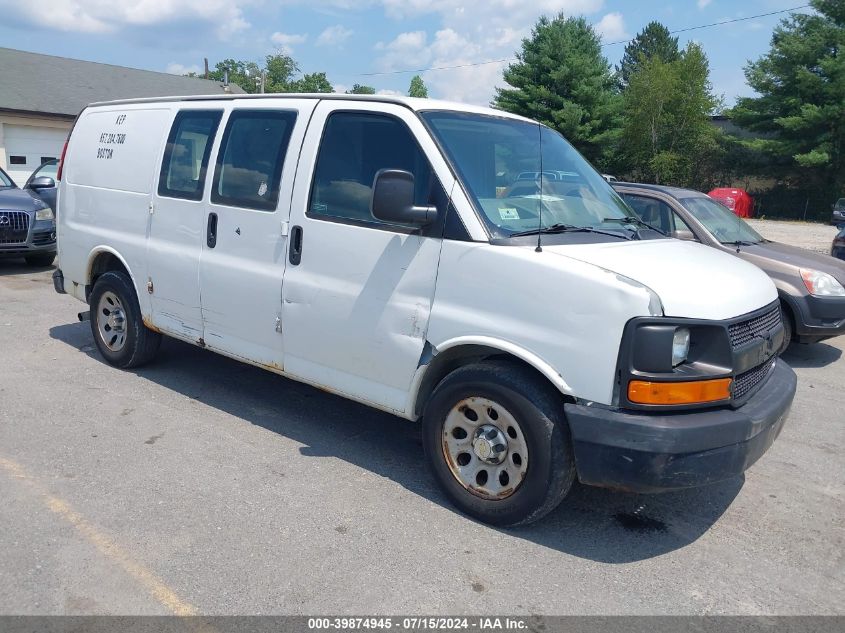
(444, 363)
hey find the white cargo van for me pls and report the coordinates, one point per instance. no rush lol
(393, 251)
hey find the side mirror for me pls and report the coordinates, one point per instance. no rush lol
(393, 199)
(683, 234)
(42, 182)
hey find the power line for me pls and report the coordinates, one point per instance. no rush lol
(512, 59)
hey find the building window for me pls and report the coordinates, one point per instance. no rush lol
(17, 160)
(47, 159)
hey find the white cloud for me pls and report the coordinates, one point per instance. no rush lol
(407, 50)
(224, 17)
(612, 27)
(468, 36)
(179, 69)
(334, 36)
(703, 3)
(391, 93)
(286, 41)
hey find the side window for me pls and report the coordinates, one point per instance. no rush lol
(250, 160)
(654, 211)
(354, 147)
(680, 225)
(186, 155)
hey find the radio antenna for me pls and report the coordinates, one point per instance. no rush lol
(539, 248)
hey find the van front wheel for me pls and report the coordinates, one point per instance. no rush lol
(120, 334)
(498, 444)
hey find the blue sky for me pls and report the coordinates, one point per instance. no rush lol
(351, 39)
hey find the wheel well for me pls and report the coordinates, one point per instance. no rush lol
(444, 363)
(103, 263)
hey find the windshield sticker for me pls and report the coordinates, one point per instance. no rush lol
(262, 189)
(508, 213)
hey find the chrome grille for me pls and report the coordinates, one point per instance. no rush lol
(746, 382)
(14, 227)
(746, 331)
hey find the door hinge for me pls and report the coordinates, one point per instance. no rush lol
(149, 285)
(285, 228)
(279, 324)
(152, 207)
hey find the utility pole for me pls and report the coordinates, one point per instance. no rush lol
(205, 59)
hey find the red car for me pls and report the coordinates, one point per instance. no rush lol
(737, 200)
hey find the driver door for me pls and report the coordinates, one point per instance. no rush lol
(357, 292)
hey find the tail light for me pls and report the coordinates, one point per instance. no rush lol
(62, 161)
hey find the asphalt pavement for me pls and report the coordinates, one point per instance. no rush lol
(202, 485)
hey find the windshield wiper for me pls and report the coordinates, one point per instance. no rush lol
(740, 243)
(567, 228)
(634, 220)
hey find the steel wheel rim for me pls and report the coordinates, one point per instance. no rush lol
(111, 321)
(485, 448)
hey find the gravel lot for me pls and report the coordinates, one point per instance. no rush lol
(201, 485)
(813, 236)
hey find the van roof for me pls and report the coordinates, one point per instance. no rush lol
(412, 103)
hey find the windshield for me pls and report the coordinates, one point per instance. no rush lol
(720, 221)
(840, 204)
(5, 181)
(513, 183)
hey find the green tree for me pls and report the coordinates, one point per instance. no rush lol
(281, 70)
(418, 88)
(241, 73)
(654, 40)
(358, 89)
(562, 80)
(800, 113)
(314, 82)
(667, 136)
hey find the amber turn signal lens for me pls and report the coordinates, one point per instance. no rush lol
(675, 393)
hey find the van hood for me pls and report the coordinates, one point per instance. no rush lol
(691, 280)
(774, 258)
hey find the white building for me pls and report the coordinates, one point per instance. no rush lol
(40, 96)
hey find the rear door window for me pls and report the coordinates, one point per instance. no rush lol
(185, 160)
(251, 157)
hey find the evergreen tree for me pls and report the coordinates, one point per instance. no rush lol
(800, 113)
(653, 41)
(418, 88)
(562, 80)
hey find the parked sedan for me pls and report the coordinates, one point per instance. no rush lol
(811, 286)
(27, 225)
(42, 182)
(838, 248)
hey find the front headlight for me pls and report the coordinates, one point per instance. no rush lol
(44, 214)
(821, 284)
(680, 346)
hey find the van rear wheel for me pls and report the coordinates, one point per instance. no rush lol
(497, 442)
(119, 332)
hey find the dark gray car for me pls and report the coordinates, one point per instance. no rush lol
(27, 225)
(811, 286)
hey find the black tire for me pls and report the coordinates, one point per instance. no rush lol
(141, 342)
(788, 327)
(41, 260)
(538, 409)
